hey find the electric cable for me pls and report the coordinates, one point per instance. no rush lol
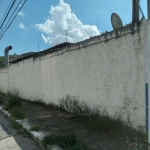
(11, 16)
(8, 13)
(12, 20)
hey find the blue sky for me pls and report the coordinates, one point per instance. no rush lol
(45, 22)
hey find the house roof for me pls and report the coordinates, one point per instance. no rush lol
(35, 54)
(22, 56)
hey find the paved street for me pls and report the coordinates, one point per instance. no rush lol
(9, 140)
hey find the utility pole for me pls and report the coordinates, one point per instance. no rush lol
(148, 9)
(148, 79)
(135, 11)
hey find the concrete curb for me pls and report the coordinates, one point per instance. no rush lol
(37, 136)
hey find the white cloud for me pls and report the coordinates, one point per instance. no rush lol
(21, 14)
(21, 26)
(44, 38)
(61, 19)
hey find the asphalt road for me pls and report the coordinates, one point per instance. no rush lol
(10, 140)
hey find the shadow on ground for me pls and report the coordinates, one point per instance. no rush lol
(10, 140)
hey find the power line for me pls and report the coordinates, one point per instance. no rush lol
(11, 21)
(11, 16)
(8, 13)
(6, 27)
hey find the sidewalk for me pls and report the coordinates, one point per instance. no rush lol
(51, 120)
(10, 140)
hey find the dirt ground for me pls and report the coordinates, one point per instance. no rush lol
(52, 120)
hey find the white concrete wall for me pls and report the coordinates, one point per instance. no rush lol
(106, 71)
(4, 79)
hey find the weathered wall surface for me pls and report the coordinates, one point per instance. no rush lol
(4, 79)
(106, 71)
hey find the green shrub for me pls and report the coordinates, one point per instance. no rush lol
(1, 97)
(38, 101)
(66, 142)
(106, 123)
(18, 112)
(14, 105)
(35, 128)
(96, 119)
(20, 129)
(63, 141)
(14, 100)
(78, 146)
(16, 125)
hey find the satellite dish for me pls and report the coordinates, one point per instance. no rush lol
(116, 21)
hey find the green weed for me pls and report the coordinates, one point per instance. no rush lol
(14, 105)
(16, 125)
(20, 129)
(1, 97)
(67, 142)
(100, 121)
(38, 101)
(52, 105)
(35, 128)
(18, 112)
(14, 99)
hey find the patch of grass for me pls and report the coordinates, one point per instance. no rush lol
(35, 128)
(72, 104)
(106, 123)
(6, 107)
(79, 146)
(101, 121)
(16, 125)
(67, 142)
(52, 105)
(1, 97)
(135, 143)
(18, 112)
(14, 99)
(38, 101)
(134, 139)
(20, 129)
(14, 105)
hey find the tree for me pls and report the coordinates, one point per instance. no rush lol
(2, 64)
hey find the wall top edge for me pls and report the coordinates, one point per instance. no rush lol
(104, 37)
